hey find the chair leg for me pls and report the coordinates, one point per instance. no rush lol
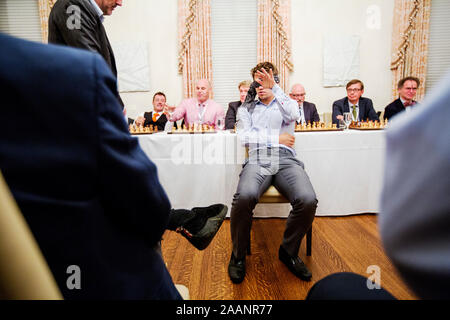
(249, 250)
(308, 242)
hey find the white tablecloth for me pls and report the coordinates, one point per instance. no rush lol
(345, 169)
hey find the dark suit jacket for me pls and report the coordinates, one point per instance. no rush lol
(88, 192)
(310, 111)
(160, 123)
(366, 110)
(91, 35)
(393, 108)
(230, 117)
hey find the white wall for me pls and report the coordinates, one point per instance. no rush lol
(154, 22)
(313, 19)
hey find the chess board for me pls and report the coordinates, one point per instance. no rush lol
(193, 129)
(316, 127)
(368, 125)
(318, 130)
(135, 130)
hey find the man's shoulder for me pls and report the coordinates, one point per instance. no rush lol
(340, 102)
(80, 3)
(234, 104)
(68, 66)
(394, 104)
(309, 104)
(64, 4)
(61, 7)
(29, 52)
(365, 100)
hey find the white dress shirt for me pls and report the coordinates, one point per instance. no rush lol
(302, 114)
(262, 127)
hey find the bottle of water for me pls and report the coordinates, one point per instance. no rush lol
(168, 126)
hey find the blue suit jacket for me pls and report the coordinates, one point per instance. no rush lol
(366, 110)
(88, 192)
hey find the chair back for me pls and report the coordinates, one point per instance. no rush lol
(24, 273)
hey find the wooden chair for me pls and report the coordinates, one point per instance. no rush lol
(273, 196)
(24, 273)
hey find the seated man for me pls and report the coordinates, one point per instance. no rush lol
(360, 108)
(414, 214)
(267, 129)
(230, 118)
(407, 89)
(88, 192)
(308, 111)
(201, 109)
(157, 117)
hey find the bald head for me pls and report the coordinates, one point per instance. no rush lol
(298, 93)
(202, 90)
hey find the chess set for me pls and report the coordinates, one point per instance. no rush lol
(135, 130)
(368, 125)
(193, 129)
(316, 126)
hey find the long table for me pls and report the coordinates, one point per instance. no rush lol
(345, 168)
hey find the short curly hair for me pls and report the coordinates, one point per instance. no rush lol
(266, 66)
(402, 81)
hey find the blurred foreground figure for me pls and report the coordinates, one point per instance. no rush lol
(414, 217)
(415, 208)
(88, 192)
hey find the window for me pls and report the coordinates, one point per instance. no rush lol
(233, 45)
(20, 18)
(439, 42)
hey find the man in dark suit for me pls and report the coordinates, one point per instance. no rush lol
(308, 111)
(90, 195)
(359, 107)
(407, 89)
(88, 31)
(158, 116)
(230, 117)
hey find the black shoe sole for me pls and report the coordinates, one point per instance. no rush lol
(236, 279)
(203, 238)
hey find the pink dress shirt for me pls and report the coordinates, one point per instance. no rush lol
(189, 110)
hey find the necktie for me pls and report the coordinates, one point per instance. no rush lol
(155, 116)
(354, 112)
(407, 104)
(301, 116)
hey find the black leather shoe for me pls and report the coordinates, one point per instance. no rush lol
(295, 265)
(236, 269)
(202, 228)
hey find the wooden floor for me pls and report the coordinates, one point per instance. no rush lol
(350, 243)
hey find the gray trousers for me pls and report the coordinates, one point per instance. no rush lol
(280, 168)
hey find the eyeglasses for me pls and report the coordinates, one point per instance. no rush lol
(298, 95)
(353, 90)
